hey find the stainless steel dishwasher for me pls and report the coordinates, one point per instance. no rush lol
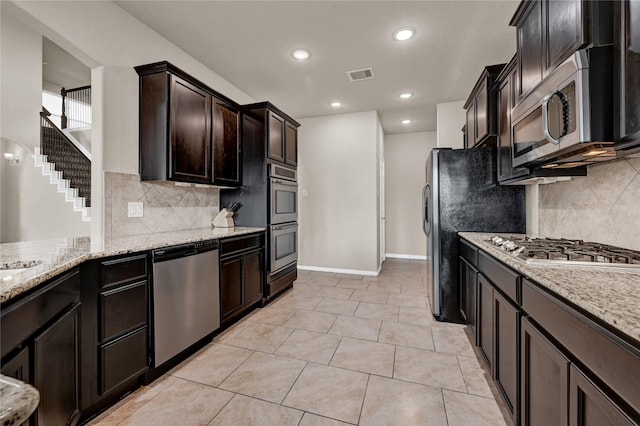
(186, 297)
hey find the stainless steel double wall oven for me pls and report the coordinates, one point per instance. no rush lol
(283, 218)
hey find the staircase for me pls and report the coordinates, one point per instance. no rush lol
(71, 195)
(68, 167)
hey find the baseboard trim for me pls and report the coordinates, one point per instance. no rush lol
(340, 271)
(406, 256)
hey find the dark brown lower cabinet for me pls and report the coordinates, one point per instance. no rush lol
(253, 274)
(590, 406)
(55, 370)
(485, 320)
(506, 322)
(468, 291)
(242, 275)
(545, 379)
(230, 287)
(552, 364)
(39, 345)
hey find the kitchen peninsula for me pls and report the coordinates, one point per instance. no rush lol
(78, 313)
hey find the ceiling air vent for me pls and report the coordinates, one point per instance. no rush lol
(358, 75)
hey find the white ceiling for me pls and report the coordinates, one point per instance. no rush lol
(249, 43)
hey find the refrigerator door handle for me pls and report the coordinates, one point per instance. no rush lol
(426, 225)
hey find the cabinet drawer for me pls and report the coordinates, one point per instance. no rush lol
(235, 245)
(612, 360)
(502, 277)
(123, 309)
(123, 359)
(124, 270)
(469, 252)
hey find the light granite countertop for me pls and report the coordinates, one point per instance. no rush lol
(608, 293)
(17, 400)
(25, 265)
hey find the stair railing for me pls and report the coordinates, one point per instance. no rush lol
(68, 159)
(76, 107)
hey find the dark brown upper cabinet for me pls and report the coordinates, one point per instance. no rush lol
(226, 144)
(481, 111)
(188, 132)
(549, 31)
(281, 132)
(283, 140)
(627, 72)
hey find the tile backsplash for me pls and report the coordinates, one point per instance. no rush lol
(167, 207)
(604, 206)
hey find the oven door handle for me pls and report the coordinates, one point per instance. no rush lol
(284, 182)
(283, 227)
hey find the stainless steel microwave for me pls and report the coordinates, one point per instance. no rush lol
(566, 121)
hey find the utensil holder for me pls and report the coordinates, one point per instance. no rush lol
(224, 219)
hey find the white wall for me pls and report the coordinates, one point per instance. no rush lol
(22, 216)
(405, 157)
(450, 120)
(338, 172)
(21, 70)
(111, 42)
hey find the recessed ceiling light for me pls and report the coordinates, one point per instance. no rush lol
(404, 33)
(405, 95)
(301, 54)
(335, 104)
(407, 121)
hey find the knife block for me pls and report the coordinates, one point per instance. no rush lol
(224, 219)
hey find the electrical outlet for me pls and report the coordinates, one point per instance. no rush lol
(135, 209)
(305, 193)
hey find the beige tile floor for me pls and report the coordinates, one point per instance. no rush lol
(335, 350)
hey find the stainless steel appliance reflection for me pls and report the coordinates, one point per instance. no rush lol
(566, 120)
(461, 194)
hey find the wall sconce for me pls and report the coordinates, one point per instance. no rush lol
(8, 156)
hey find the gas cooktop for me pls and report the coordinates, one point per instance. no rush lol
(567, 252)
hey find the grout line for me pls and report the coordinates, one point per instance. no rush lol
(364, 397)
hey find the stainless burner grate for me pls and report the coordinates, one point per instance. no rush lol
(568, 251)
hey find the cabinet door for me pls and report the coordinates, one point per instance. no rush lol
(190, 155)
(507, 350)
(291, 144)
(482, 112)
(529, 39)
(470, 135)
(226, 144)
(590, 406)
(504, 130)
(55, 370)
(18, 366)
(276, 137)
(627, 108)
(564, 30)
(230, 286)
(253, 277)
(485, 320)
(545, 380)
(468, 290)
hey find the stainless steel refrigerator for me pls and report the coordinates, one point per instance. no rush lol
(462, 194)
